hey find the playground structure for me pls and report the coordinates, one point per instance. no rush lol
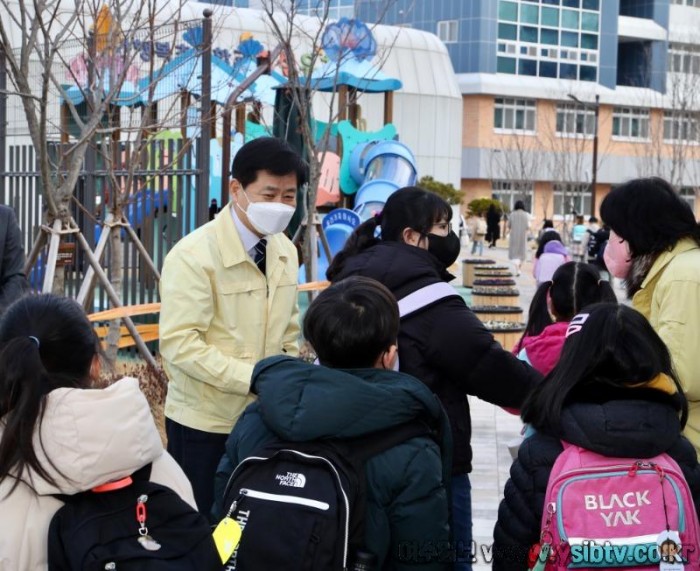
(360, 168)
(165, 198)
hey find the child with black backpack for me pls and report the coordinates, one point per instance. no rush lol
(338, 459)
(607, 478)
(59, 438)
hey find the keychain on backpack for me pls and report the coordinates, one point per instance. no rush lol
(541, 552)
(146, 541)
(227, 534)
(669, 541)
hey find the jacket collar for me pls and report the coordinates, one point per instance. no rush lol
(233, 251)
(683, 245)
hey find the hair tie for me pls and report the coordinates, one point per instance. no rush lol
(36, 340)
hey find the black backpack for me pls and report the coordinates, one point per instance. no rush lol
(101, 531)
(301, 505)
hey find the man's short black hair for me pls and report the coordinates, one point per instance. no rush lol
(269, 154)
(352, 323)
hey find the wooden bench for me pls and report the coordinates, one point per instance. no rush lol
(149, 331)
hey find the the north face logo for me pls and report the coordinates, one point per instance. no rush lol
(291, 479)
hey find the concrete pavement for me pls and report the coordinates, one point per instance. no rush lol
(492, 429)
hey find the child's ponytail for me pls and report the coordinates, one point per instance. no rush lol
(538, 317)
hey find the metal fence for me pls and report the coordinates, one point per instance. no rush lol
(160, 203)
(166, 195)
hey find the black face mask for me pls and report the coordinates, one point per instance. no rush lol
(444, 248)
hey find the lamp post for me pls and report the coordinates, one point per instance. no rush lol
(594, 174)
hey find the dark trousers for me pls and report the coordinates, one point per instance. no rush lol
(198, 454)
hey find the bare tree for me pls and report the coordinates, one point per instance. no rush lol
(91, 43)
(568, 138)
(672, 151)
(295, 35)
(520, 160)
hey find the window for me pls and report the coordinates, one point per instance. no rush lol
(680, 126)
(687, 193)
(573, 24)
(693, 3)
(575, 120)
(448, 31)
(683, 58)
(514, 114)
(570, 197)
(630, 123)
(509, 192)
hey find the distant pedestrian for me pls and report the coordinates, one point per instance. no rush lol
(519, 226)
(553, 256)
(478, 235)
(547, 226)
(493, 225)
(13, 282)
(578, 232)
(613, 392)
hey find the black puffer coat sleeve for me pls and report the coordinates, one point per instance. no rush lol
(683, 452)
(520, 513)
(465, 351)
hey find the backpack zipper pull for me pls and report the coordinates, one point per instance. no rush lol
(234, 505)
(146, 541)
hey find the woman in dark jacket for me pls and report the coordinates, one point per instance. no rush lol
(444, 344)
(493, 225)
(613, 392)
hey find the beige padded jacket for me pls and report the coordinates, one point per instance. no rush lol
(92, 436)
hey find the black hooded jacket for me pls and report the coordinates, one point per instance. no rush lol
(635, 429)
(444, 344)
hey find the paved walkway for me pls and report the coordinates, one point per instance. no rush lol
(492, 429)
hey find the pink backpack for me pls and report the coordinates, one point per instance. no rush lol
(602, 513)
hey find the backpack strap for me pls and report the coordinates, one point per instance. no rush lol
(363, 448)
(425, 296)
(358, 450)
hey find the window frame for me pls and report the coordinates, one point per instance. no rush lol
(641, 114)
(674, 121)
(507, 188)
(571, 113)
(514, 105)
(580, 191)
(452, 28)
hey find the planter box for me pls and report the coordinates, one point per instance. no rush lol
(512, 314)
(491, 281)
(480, 273)
(468, 268)
(495, 299)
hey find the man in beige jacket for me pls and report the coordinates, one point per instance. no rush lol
(229, 298)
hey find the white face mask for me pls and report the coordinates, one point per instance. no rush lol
(268, 217)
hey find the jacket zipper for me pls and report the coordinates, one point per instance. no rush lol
(284, 499)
